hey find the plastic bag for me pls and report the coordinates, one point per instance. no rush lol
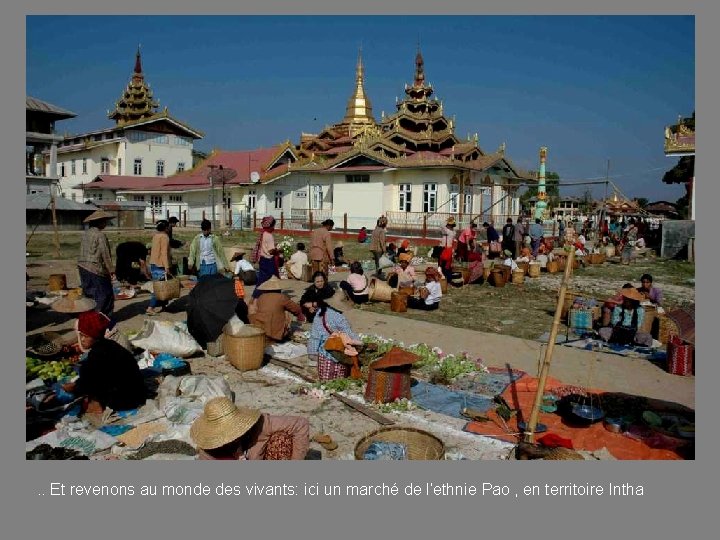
(234, 326)
(385, 262)
(167, 336)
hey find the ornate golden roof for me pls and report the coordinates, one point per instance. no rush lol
(359, 109)
(679, 139)
(136, 101)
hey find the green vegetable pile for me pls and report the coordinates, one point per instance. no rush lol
(339, 385)
(55, 369)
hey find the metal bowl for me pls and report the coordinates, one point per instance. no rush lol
(587, 413)
(613, 425)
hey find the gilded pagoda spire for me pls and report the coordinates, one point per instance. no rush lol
(136, 101)
(359, 108)
(419, 90)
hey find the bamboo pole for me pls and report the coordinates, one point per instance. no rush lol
(56, 236)
(532, 423)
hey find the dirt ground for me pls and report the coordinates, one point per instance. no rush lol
(271, 387)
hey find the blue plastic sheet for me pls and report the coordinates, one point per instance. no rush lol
(386, 451)
(448, 402)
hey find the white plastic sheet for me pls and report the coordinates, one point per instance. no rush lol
(166, 336)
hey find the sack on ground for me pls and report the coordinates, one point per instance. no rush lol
(385, 262)
(167, 336)
(234, 326)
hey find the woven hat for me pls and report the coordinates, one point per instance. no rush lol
(221, 423)
(507, 253)
(74, 302)
(405, 257)
(632, 294)
(272, 284)
(450, 221)
(97, 215)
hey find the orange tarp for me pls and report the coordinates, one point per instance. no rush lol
(521, 395)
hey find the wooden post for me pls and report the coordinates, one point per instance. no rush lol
(345, 223)
(255, 220)
(56, 236)
(230, 218)
(184, 218)
(424, 229)
(282, 221)
(310, 226)
(203, 215)
(532, 423)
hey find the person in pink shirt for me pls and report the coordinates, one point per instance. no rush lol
(466, 242)
(357, 284)
(403, 274)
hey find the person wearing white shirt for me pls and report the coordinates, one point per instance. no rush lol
(430, 293)
(244, 269)
(297, 262)
(509, 260)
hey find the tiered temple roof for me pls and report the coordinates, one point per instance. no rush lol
(136, 102)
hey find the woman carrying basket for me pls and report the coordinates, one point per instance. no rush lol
(159, 264)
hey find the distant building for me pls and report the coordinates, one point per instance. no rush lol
(567, 208)
(680, 142)
(143, 143)
(663, 208)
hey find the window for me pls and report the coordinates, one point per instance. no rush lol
(453, 198)
(180, 167)
(429, 197)
(84, 165)
(405, 197)
(468, 202)
(252, 199)
(62, 169)
(175, 198)
(97, 137)
(357, 178)
(156, 201)
(104, 166)
(136, 136)
(137, 167)
(119, 171)
(317, 197)
(160, 139)
(140, 198)
(278, 200)
(72, 168)
(159, 168)
(182, 141)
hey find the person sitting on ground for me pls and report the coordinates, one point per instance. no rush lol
(330, 320)
(430, 293)
(391, 252)
(226, 432)
(357, 285)
(404, 247)
(297, 262)
(244, 270)
(402, 275)
(109, 376)
(626, 319)
(649, 292)
(525, 254)
(509, 260)
(271, 310)
(338, 255)
(130, 262)
(362, 235)
(314, 294)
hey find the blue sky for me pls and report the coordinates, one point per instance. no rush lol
(588, 88)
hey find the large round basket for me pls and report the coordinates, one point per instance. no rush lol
(398, 302)
(379, 291)
(596, 258)
(166, 289)
(497, 276)
(524, 266)
(534, 270)
(57, 282)
(610, 250)
(245, 351)
(518, 277)
(443, 285)
(420, 444)
(552, 267)
(406, 290)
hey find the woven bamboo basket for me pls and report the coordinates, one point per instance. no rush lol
(595, 258)
(534, 270)
(398, 302)
(166, 289)
(610, 250)
(497, 277)
(667, 329)
(524, 266)
(246, 350)
(443, 285)
(410, 291)
(552, 267)
(387, 385)
(57, 282)
(380, 291)
(421, 445)
(486, 273)
(648, 320)
(518, 277)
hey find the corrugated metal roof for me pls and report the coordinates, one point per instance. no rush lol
(41, 201)
(34, 104)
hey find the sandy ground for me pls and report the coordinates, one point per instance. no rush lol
(270, 388)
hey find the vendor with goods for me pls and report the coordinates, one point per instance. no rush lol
(357, 285)
(272, 308)
(330, 321)
(362, 235)
(297, 262)
(244, 270)
(315, 293)
(226, 432)
(626, 319)
(404, 248)
(403, 274)
(509, 260)
(649, 292)
(109, 376)
(493, 238)
(430, 293)
(338, 255)
(466, 242)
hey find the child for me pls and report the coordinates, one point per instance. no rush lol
(297, 262)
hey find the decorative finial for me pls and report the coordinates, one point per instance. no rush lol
(138, 63)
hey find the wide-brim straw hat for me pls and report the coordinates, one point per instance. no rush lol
(404, 257)
(632, 294)
(272, 284)
(73, 303)
(221, 423)
(97, 215)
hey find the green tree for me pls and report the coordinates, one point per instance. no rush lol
(642, 202)
(552, 188)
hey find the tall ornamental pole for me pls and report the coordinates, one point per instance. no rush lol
(541, 206)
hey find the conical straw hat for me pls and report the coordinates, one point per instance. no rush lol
(272, 284)
(73, 303)
(98, 215)
(221, 423)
